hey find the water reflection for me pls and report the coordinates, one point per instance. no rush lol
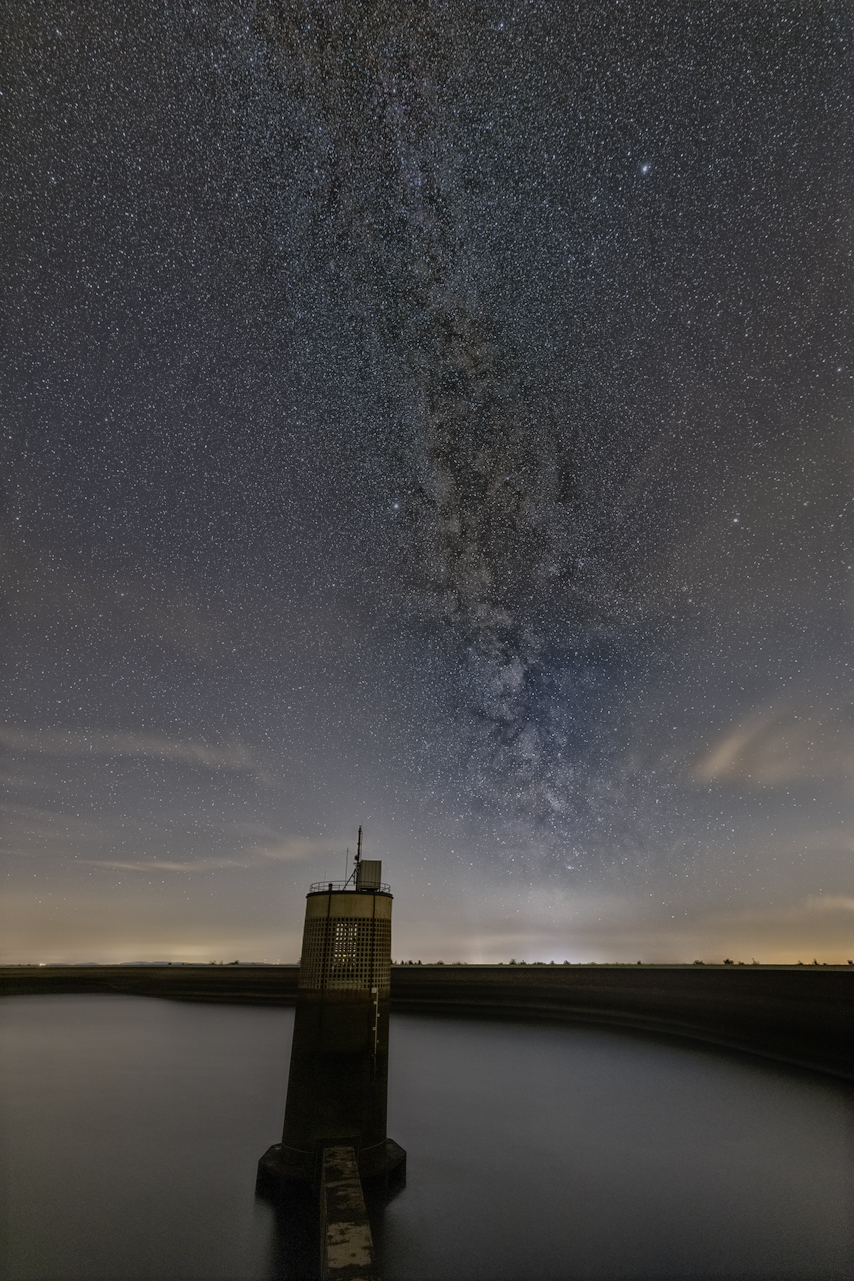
(572, 1152)
(132, 1128)
(296, 1230)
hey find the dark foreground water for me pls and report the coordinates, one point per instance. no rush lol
(132, 1128)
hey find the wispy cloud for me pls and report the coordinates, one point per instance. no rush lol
(154, 865)
(28, 830)
(830, 903)
(190, 843)
(97, 743)
(779, 746)
(292, 849)
(255, 844)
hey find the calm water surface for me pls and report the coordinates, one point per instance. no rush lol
(132, 1128)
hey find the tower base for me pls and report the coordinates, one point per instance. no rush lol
(288, 1165)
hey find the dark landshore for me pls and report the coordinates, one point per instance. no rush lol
(801, 1014)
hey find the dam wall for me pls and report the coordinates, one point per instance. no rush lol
(233, 984)
(801, 1014)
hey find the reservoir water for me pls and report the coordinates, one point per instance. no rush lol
(132, 1128)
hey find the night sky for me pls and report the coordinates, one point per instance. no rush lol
(435, 416)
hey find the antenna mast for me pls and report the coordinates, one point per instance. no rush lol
(354, 875)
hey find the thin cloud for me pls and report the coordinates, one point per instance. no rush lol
(27, 830)
(779, 746)
(95, 743)
(294, 849)
(830, 903)
(783, 915)
(161, 865)
(115, 843)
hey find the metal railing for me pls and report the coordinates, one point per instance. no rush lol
(336, 887)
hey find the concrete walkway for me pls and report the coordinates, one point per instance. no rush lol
(346, 1246)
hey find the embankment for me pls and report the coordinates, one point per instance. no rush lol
(801, 1014)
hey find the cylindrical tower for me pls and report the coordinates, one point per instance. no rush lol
(338, 1078)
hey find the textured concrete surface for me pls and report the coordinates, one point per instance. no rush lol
(346, 1246)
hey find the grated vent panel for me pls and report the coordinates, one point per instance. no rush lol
(346, 952)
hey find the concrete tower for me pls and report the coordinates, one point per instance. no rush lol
(338, 1078)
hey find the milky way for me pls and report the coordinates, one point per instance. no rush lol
(525, 555)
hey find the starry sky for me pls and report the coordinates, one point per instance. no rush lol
(435, 416)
